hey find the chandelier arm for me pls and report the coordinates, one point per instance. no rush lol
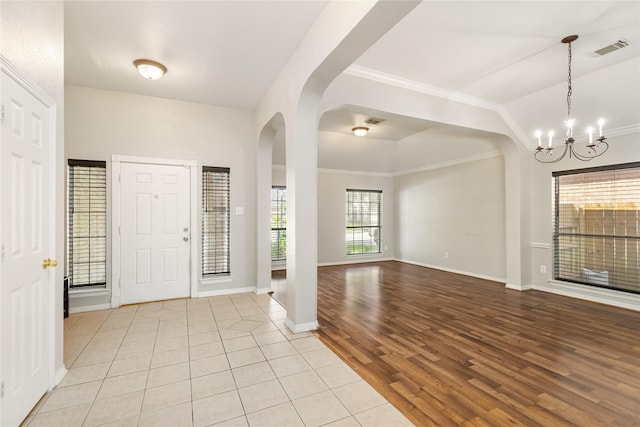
(545, 155)
(587, 157)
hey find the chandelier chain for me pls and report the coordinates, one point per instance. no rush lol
(570, 89)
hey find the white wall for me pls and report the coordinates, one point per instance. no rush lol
(101, 123)
(623, 149)
(457, 211)
(32, 39)
(332, 188)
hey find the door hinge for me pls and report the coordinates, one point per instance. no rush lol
(2, 254)
(119, 178)
(2, 390)
(2, 113)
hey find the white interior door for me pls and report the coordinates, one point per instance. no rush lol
(155, 232)
(25, 244)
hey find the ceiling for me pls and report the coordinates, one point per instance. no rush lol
(227, 53)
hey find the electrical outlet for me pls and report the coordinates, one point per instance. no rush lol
(543, 269)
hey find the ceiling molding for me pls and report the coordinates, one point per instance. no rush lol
(350, 172)
(449, 163)
(368, 73)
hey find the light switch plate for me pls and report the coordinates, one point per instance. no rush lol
(239, 211)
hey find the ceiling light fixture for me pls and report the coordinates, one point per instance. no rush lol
(360, 130)
(593, 149)
(149, 69)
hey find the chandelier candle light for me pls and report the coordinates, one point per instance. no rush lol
(593, 149)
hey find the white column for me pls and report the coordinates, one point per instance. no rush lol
(302, 211)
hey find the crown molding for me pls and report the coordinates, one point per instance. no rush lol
(462, 160)
(351, 172)
(368, 73)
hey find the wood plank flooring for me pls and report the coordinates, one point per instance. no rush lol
(450, 350)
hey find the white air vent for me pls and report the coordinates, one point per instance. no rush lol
(612, 47)
(373, 121)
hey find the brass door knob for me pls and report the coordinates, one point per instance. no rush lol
(49, 263)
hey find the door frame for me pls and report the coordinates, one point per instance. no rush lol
(116, 240)
(33, 89)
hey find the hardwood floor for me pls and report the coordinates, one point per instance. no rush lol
(449, 350)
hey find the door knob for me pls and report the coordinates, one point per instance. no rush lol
(186, 239)
(49, 263)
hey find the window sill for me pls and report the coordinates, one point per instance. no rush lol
(78, 293)
(215, 280)
(367, 255)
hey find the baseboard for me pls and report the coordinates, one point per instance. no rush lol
(353, 261)
(603, 296)
(453, 270)
(304, 327)
(60, 373)
(85, 308)
(115, 302)
(518, 287)
(262, 291)
(230, 291)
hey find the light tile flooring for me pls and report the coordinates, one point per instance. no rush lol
(223, 361)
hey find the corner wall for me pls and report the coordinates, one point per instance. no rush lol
(453, 218)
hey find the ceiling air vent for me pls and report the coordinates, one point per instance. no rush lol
(612, 47)
(373, 121)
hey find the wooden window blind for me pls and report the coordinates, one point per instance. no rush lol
(364, 222)
(597, 226)
(278, 223)
(86, 223)
(216, 208)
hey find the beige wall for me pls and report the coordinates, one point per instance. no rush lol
(101, 123)
(453, 218)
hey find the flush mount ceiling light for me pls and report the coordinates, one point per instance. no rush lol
(360, 130)
(593, 149)
(149, 69)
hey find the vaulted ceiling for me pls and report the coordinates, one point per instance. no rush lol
(501, 54)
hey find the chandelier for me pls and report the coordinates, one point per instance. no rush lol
(592, 149)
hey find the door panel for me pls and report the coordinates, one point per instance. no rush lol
(25, 242)
(155, 232)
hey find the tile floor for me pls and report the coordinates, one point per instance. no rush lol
(222, 361)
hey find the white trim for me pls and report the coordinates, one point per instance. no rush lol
(358, 260)
(604, 296)
(352, 172)
(229, 291)
(303, 327)
(153, 161)
(278, 167)
(116, 240)
(34, 90)
(59, 375)
(389, 79)
(85, 308)
(462, 160)
(540, 245)
(215, 280)
(79, 293)
(263, 291)
(453, 270)
(518, 287)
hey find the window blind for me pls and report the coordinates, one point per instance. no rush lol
(597, 227)
(364, 221)
(216, 209)
(86, 223)
(278, 223)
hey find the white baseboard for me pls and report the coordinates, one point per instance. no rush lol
(115, 302)
(353, 261)
(604, 296)
(304, 327)
(518, 287)
(85, 308)
(230, 291)
(262, 291)
(453, 270)
(60, 373)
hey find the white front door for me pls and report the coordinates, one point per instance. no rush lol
(25, 244)
(155, 232)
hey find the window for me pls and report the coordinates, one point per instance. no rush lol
(364, 221)
(597, 227)
(87, 223)
(278, 223)
(216, 208)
